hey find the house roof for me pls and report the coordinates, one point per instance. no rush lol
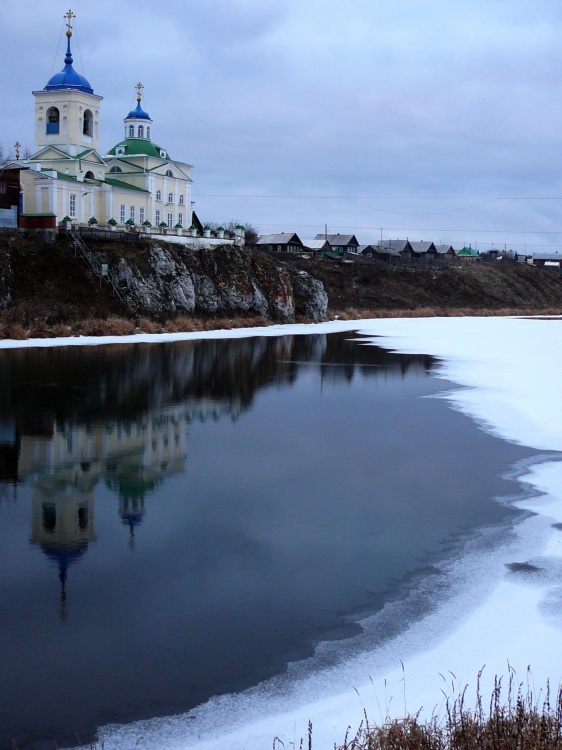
(139, 147)
(284, 238)
(338, 240)
(379, 250)
(444, 249)
(315, 244)
(468, 252)
(422, 247)
(399, 245)
(547, 256)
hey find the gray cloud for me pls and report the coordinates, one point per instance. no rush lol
(365, 99)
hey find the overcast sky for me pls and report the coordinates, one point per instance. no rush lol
(426, 119)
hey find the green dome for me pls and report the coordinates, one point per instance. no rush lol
(139, 147)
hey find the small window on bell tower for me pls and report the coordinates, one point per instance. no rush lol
(53, 120)
(88, 125)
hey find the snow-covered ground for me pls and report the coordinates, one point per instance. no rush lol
(486, 614)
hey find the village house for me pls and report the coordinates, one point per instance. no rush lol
(340, 243)
(283, 242)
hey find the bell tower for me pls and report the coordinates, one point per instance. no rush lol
(67, 110)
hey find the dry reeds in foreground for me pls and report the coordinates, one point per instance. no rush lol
(521, 721)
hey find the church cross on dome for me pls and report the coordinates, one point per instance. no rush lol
(69, 15)
(139, 87)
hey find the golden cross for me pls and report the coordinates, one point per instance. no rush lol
(17, 146)
(70, 15)
(139, 87)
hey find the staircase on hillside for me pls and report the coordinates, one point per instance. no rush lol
(82, 251)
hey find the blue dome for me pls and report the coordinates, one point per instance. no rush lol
(68, 78)
(138, 113)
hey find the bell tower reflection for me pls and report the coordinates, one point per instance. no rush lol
(62, 521)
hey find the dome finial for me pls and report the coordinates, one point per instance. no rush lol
(139, 87)
(69, 15)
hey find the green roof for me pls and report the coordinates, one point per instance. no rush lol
(138, 147)
(61, 175)
(123, 185)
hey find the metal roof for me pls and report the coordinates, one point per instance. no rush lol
(338, 240)
(284, 238)
(444, 249)
(315, 244)
(422, 247)
(399, 245)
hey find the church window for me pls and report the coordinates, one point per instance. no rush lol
(148, 132)
(180, 219)
(181, 200)
(131, 131)
(141, 214)
(120, 151)
(169, 173)
(53, 120)
(72, 205)
(157, 216)
(158, 195)
(115, 169)
(162, 153)
(132, 214)
(170, 219)
(82, 518)
(170, 197)
(122, 209)
(89, 176)
(49, 517)
(88, 125)
(141, 131)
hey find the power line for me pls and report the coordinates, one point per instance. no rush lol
(423, 229)
(384, 197)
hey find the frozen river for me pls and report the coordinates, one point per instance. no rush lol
(325, 516)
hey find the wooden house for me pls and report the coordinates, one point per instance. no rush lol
(288, 242)
(340, 243)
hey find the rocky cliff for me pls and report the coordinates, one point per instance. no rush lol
(155, 280)
(220, 281)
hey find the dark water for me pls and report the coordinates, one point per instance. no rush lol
(181, 520)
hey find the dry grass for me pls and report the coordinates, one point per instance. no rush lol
(187, 325)
(149, 326)
(521, 721)
(14, 331)
(352, 313)
(12, 325)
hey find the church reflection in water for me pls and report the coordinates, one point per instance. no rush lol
(130, 458)
(119, 417)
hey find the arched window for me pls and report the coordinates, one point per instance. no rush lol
(82, 517)
(53, 120)
(181, 200)
(49, 517)
(169, 173)
(141, 131)
(115, 169)
(89, 176)
(148, 132)
(131, 131)
(170, 197)
(88, 126)
(158, 195)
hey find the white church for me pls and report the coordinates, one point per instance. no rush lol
(135, 185)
